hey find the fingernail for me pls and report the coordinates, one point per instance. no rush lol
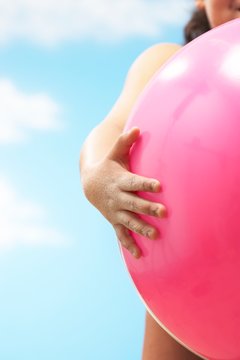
(135, 253)
(152, 234)
(162, 211)
(132, 130)
(156, 186)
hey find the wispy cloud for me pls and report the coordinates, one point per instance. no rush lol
(22, 222)
(52, 21)
(20, 112)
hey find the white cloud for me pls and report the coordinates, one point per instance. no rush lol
(20, 112)
(22, 222)
(52, 21)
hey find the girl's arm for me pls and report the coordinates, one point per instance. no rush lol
(107, 183)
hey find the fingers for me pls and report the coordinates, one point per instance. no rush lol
(127, 241)
(133, 223)
(133, 182)
(139, 205)
(119, 153)
(137, 225)
(124, 143)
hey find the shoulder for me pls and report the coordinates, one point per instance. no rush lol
(145, 66)
(139, 74)
(156, 54)
(147, 63)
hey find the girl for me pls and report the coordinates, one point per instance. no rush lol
(111, 187)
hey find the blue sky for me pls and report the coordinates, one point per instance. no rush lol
(65, 293)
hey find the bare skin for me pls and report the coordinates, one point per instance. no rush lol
(107, 182)
(219, 11)
(110, 186)
(158, 345)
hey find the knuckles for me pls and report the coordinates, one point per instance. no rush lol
(132, 205)
(136, 227)
(146, 186)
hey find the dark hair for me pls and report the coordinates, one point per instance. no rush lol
(197, 25)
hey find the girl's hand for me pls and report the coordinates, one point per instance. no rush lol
(111, 187)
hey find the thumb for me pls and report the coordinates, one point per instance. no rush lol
(124, 143)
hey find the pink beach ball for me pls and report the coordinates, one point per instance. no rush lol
(189, 117)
